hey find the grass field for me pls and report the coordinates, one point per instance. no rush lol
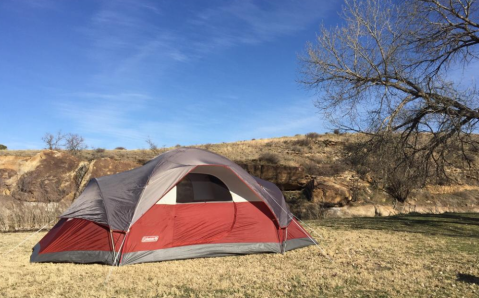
(400, 256)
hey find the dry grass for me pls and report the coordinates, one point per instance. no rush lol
(238, 151)
(447, 189)
(408, 256)
(26, 216)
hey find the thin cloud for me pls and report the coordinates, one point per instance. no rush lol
(125, 39)
(120, 119)
(106, 120)
(294, 118)
(126, 45)
(104, 114)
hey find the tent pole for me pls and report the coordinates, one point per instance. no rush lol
(119, 250)
(285, 239)
(112, 245)
(114, 261)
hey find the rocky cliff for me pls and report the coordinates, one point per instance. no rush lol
(312, 173)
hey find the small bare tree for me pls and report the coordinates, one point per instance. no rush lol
(385, 72)
(74, 143)
(53, 142)
(152, 145)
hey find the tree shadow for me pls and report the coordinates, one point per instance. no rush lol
(468, 278)
(447, 224)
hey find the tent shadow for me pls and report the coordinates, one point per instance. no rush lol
(447, 224)
(468, 278)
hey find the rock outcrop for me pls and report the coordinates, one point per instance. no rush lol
(46, 177)
(286, 177)
(328, 192)
(58, 177)
(52, 176)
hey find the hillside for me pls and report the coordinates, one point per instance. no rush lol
(314, 172)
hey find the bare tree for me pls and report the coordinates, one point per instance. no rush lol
(152, 145)
(74, 143)
(53, 142)
(385, 72)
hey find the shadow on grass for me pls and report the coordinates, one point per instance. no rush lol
(447, 224)
(468, 278)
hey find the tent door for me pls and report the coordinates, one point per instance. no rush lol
(205, 211)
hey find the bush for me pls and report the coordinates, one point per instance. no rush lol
(25, 216)
(100, 150)
(297, 149)
(302, 207)
(152, 145)
(312, 136)
(53, 142)
(74, 143)
(3, 147)
(337, 131)
(120, 148)
(301, 142)
(311, 168)
(269, 158)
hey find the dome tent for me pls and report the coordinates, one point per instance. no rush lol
(185, 203)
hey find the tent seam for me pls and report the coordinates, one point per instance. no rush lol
(146, 184)
(103, 202)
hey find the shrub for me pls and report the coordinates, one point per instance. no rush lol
(302, 207)
(301, 142)
(152, 145)
(311, 168)
(25, 216)
(337, 131)
(269, 158)
(312, 136)
(74, 143)
(3, 147)
(333, 169)
(100, 150)
(297, 149)
(120, 148)
(53, 142)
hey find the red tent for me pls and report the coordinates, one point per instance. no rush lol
(185, 203)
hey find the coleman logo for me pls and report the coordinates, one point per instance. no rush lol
(149, 239)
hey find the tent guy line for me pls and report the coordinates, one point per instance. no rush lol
(26, 238)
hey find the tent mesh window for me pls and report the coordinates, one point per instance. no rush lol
(202, 188)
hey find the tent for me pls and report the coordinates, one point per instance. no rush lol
(185, 203)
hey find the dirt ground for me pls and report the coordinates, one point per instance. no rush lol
(400, 256)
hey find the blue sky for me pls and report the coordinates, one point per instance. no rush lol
(181, 72)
